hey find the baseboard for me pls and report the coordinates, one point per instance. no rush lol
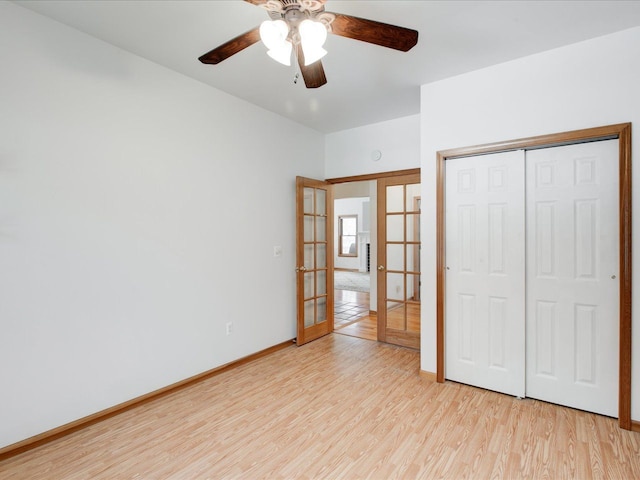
(51, 435)
(635, 426)
(428, 375)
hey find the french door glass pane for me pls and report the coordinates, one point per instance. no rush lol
(322, 282)
(322, 255)
(413, 258)
(322, 310)
(321, 229)
(308, 228)
(413, 317)
(413, 194)
(395, 256)
(395, 228)
(309, 287)
(308, 257)
(321, 202)
(308, 200)
(396, 315)
(309, 313)
(413, 287)
(395, 286)
(413, 227)
(395, 198)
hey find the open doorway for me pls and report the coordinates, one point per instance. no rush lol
(354, 211)
(379, 238)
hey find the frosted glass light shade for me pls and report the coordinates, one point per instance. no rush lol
(282, 53)
(273, 33)
(312, 55)
(312, 37)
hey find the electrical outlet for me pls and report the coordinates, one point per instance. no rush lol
(229, 328)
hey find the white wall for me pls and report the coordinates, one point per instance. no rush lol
(585, 85)
(136, 220)
(349, 152)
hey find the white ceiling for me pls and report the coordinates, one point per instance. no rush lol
(366, 83)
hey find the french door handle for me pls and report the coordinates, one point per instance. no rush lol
(380, 268)
(301, 269)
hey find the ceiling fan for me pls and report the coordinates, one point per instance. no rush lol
(301, 26)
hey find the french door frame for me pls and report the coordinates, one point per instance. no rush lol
(375, 176)
(622, 132)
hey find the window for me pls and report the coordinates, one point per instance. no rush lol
(348, 235)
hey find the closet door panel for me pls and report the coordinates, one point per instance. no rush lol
(485, 257)
(572, 275)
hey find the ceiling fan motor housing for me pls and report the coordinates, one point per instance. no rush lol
(293, 12)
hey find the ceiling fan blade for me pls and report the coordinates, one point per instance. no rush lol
(313, 74)
(231, 47)
(378, 33)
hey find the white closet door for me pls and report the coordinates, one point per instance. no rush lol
(572, 270)
(485, 261)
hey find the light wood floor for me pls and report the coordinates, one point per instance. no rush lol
(365, 327)
(352, 315)
(337, 408)
(349, 306)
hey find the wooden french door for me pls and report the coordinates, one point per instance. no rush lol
(314, 259)
(398, 266)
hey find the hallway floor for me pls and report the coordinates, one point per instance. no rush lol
(352, 316)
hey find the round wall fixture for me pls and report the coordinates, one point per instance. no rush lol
(376, 155)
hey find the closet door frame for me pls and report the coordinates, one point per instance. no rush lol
(622, 132)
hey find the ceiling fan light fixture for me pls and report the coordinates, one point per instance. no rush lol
(312, 55)
(312, 37)
(282, 54)
(273, 33)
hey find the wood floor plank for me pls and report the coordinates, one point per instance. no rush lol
(337, 408)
